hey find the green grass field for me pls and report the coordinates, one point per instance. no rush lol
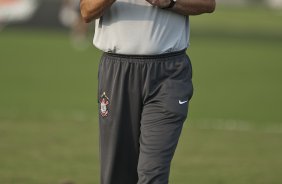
(48, 104)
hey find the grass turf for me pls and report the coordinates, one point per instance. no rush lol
(48, 104)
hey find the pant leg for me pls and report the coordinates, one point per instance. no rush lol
(119, 120)
(168, 91)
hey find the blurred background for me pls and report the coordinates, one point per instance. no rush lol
(48, 98)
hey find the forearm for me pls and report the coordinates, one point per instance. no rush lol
(187, 7)
(194, 7)
(93, 9)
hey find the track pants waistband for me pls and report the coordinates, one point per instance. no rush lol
(144, 57)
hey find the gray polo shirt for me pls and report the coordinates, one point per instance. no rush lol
(136, 27)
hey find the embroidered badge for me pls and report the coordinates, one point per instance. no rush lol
(104, 102)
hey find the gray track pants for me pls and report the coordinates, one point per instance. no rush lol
(143, 102)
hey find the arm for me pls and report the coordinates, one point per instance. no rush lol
(93, 9)
(187, 7)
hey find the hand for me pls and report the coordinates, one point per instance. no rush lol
(159, 3)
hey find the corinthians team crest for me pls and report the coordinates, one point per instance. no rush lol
(104, 102)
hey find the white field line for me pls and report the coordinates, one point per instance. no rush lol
(236, 125)
(208, 124)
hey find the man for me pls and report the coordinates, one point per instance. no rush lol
(70, 17)
(144, 83)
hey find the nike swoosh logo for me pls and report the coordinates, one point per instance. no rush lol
(182, 102)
